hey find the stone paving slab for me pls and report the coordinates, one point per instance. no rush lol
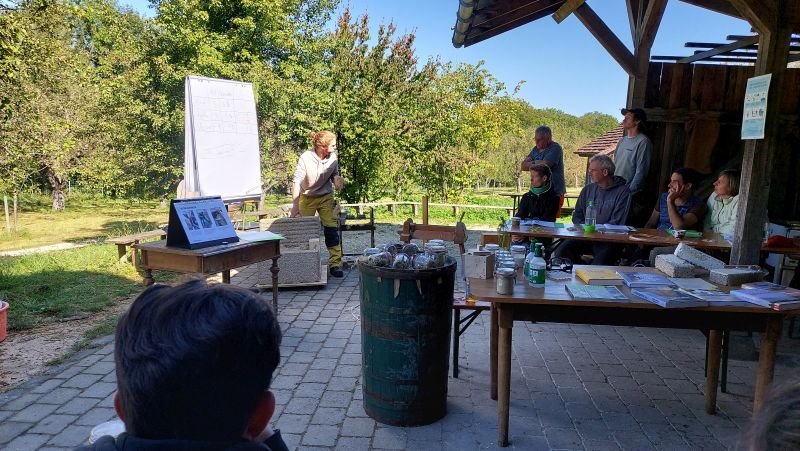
(573, 387)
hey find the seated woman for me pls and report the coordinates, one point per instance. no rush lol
(541, 202)
(678, 207)
(723, 203)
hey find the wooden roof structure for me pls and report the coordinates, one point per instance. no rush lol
(773, 21)
(605, 144)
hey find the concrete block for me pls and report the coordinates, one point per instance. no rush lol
(674, 266)
(698, 258)
(731, 276)
(295, 267)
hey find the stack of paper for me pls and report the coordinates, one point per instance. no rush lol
(613, 228)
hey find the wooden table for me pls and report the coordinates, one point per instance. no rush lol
(553, 304)
(647, 237)
(515, 196)
(210, 260)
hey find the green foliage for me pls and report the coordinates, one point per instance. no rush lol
(95, 95)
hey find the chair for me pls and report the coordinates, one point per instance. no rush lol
(457, 235)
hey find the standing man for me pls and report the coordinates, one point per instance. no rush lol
(610, 198)
(315, 177)
(549, 153)
(632, 158)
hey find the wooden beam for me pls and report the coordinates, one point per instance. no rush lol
(566, 9)
(651, 21)
(606, 38)
(773, 56)
(720, 50)
(517, 14)
(634, 14)
(720, 6)
(762, 14)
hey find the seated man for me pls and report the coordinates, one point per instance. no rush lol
(611, 199)
(194, 364)
(678, 207)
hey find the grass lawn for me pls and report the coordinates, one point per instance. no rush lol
(42, 288)
(83, 219)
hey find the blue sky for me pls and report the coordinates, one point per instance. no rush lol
(563, 66)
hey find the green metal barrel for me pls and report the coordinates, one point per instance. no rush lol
(405, 342)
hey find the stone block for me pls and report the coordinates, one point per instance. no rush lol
(674, 266)
(698, 258)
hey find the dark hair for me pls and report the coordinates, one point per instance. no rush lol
(777, 425)
(733, 180)
(543, 170)
(193, 360)
(689, 175)
(638, 115)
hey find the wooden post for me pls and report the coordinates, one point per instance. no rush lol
(8, 221)
(773, 56)
(712, 371)
(414, 210)
(393, 209)
(766, 359)
(424, 209)
(16, 224)
(455, 211)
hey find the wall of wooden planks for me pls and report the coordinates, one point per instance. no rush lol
(682, 99)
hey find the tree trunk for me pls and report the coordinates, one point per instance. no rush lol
(57, 183)
(8, 220)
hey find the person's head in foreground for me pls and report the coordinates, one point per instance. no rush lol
(777, 425)
(194, 363)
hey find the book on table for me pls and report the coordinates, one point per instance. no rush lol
(598, 276)
(770, 298)
(668, 297)
(716, 298)
(645, 279)
(594, 292)
(772, 286)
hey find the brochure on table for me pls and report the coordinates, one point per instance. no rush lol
(199, 223)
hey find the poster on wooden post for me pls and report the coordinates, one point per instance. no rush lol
(755, 107)
(199, 223)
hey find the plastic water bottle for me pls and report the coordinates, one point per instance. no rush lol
(538, 268)
(528, 260)
(591, 216)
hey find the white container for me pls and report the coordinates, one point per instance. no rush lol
(112, 428)
(519, 251)
(505, 280)
(491, 247)
(479, 264)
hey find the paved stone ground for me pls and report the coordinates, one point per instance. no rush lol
(573, 387)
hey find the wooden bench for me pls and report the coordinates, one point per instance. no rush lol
(124, 242)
